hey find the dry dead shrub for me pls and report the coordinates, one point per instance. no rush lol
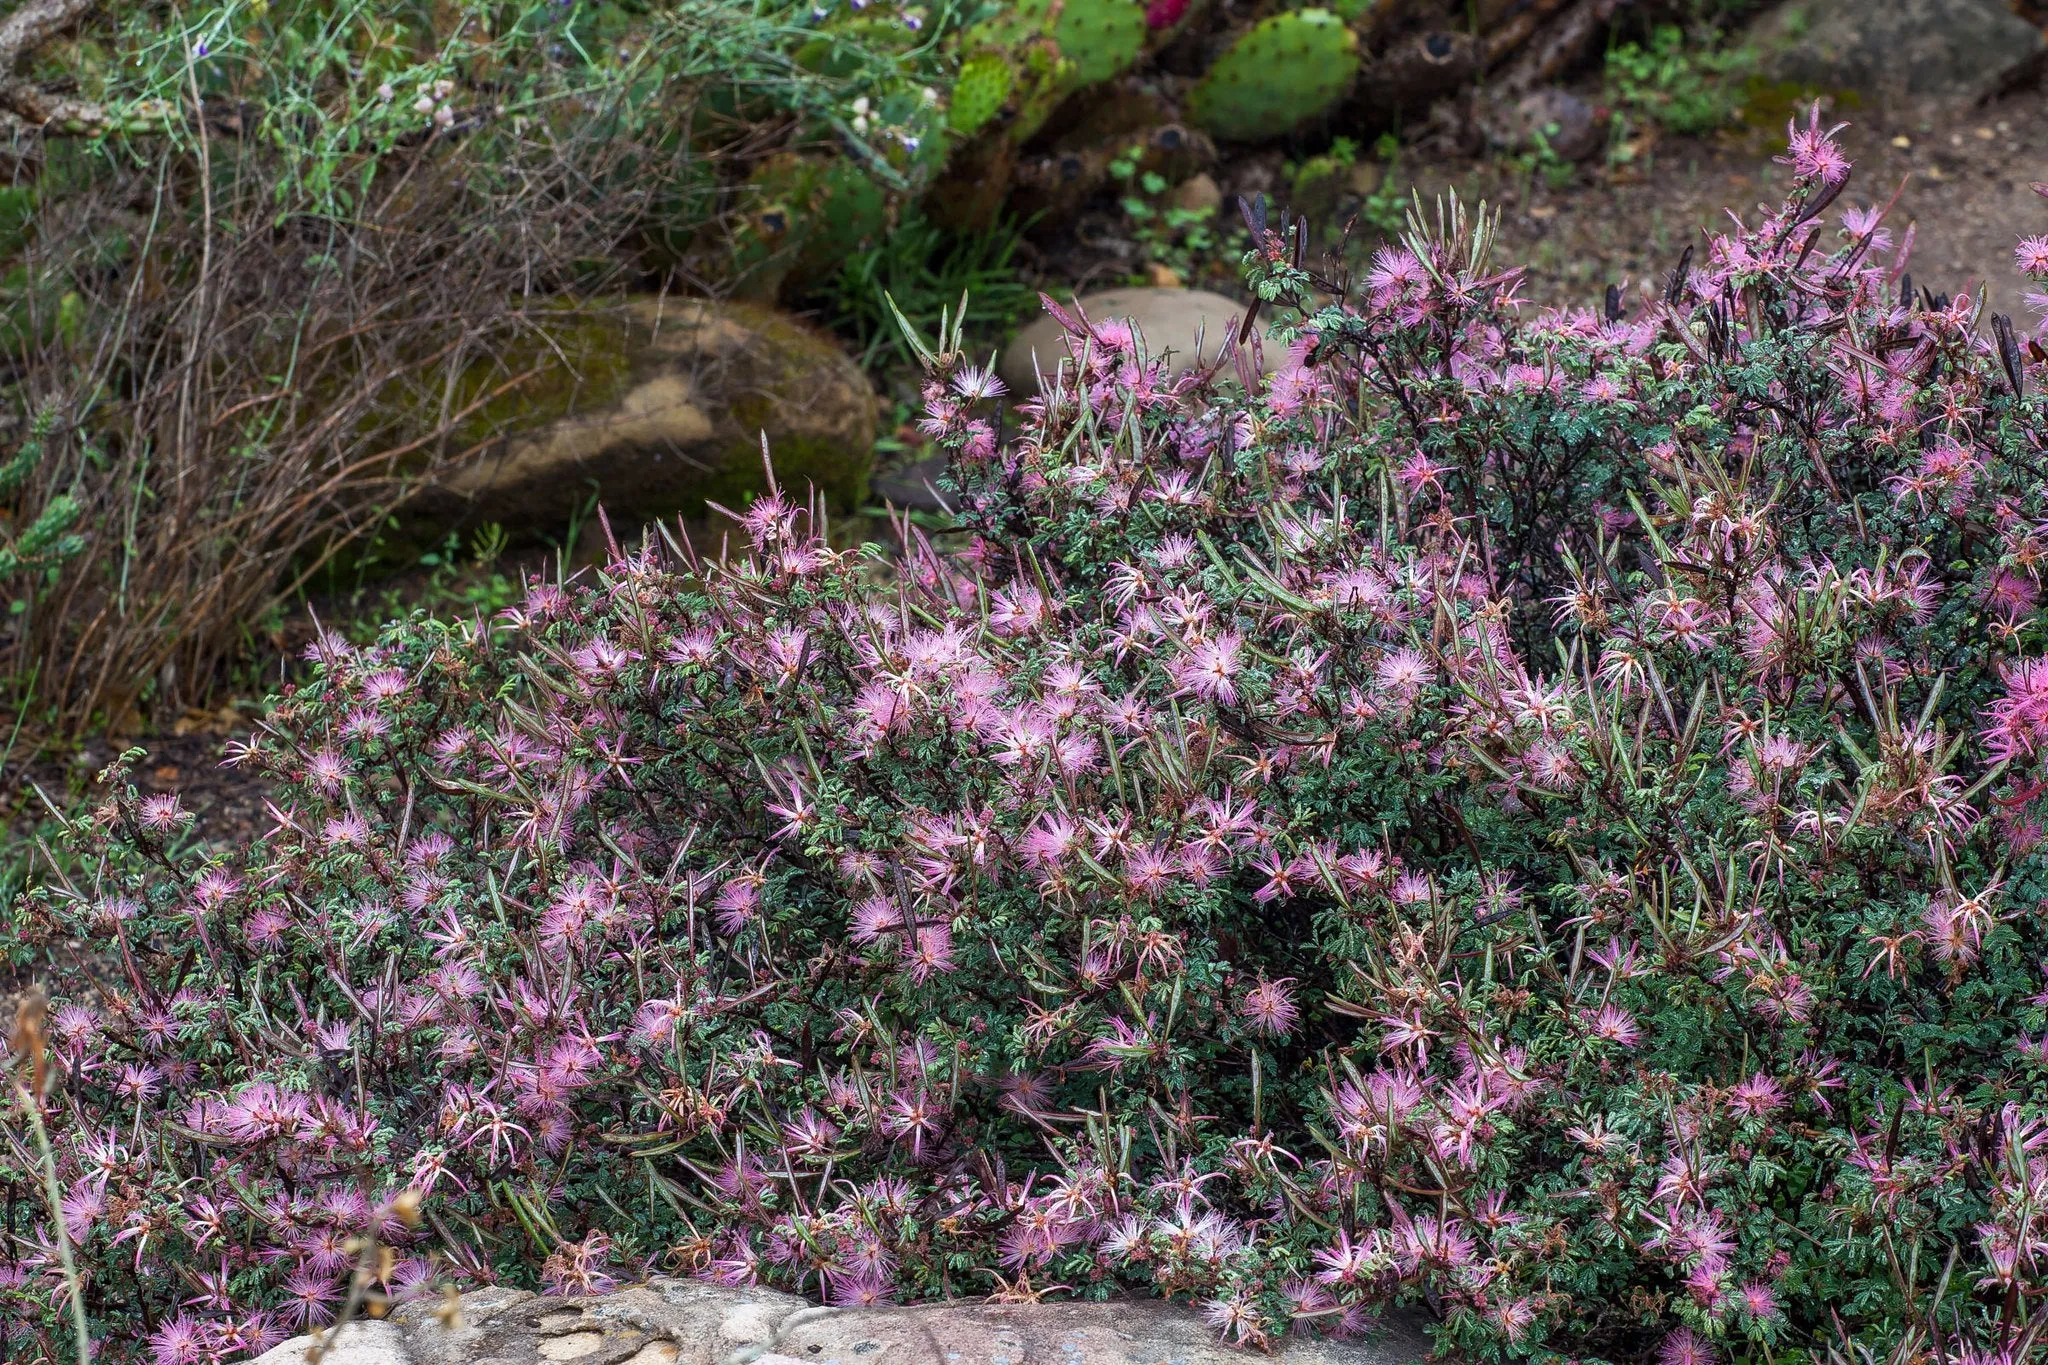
(268, 384)
(258, 386)
(283, 260)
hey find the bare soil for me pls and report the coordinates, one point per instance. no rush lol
(1964, 175)
(1961, 176)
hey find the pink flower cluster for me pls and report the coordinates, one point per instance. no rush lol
(1531, 818)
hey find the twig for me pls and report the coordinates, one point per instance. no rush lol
(29, 1042)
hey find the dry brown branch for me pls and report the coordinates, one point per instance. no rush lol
(262, 388)
(1506, 38)
(1568, 38)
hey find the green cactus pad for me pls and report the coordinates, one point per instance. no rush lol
(979, 94)
(1280, 74)
(1102, 38)
(849, 211)
(1053, 51)
(1045, 78)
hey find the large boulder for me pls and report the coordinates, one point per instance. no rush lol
(657, 405)
(1918, 51)
(1170, 320)
(685, 1322)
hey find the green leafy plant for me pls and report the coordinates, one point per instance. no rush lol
(1541, 160)
(448, 578)
(45, 538)
(1685, 85)
(1183, 240)
(927, 269)
(1386, 208)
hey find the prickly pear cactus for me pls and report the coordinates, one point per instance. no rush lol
(801, 216)
(769, 229)
(849, 212)
(1102, 38)
(979, 92)
(1050, 49)
(1278, 75)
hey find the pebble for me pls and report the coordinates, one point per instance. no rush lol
(1198, 194)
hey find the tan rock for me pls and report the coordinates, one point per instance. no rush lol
(684, 1322)
(708, 1323)
(1566, 124)
(359, 1343)
(1198, 194)
(1170, 320)
(1125, 1333)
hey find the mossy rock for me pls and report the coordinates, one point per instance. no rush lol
(657, 406)
(1950, 54)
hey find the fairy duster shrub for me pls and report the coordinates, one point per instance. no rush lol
(1536, 817)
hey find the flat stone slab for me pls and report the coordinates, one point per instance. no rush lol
(686, 1322)
(1125, 1333)
(359, 1343)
